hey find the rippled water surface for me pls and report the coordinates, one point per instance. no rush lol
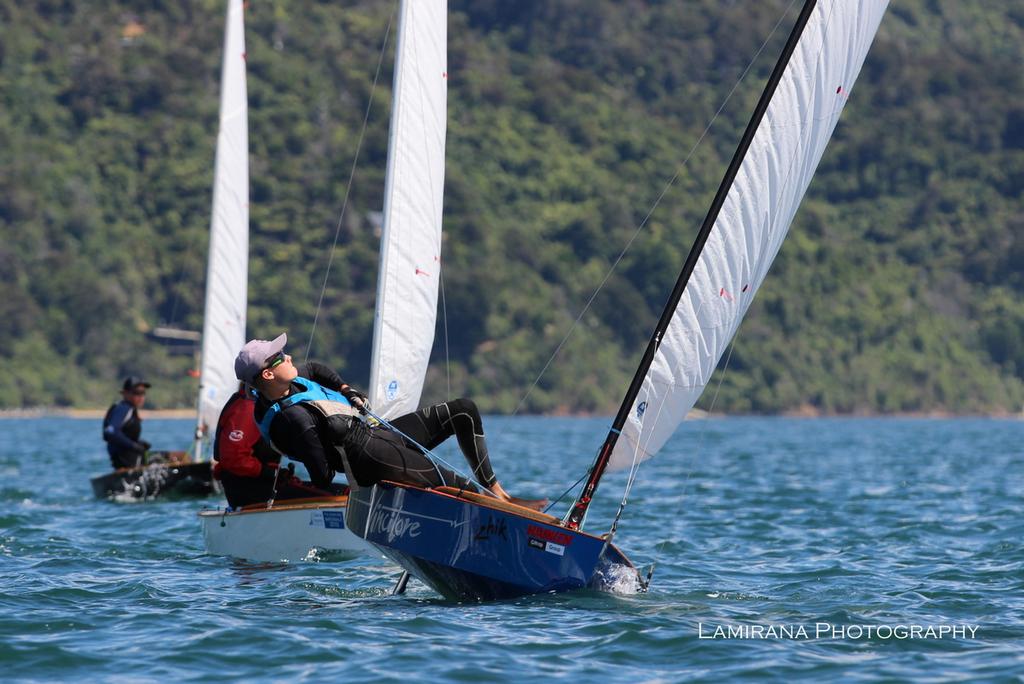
(758, 527)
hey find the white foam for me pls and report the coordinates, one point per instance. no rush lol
(617, 579)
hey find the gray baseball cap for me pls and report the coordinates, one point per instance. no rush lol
(254, 355)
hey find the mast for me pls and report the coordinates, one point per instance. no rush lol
(579, 509)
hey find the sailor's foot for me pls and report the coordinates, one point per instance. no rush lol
(534, 504)
(499, 491)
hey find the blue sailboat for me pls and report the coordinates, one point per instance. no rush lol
(469, 547)
(473, 547)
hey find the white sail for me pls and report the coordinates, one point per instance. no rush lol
(410, 256)
(227, 265)
(754, 219)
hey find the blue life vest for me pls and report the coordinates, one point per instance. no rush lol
(311, 391)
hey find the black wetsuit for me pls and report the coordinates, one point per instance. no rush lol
(376, 454)
(122, 428)
(379, 454)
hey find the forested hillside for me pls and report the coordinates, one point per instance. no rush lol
(899, 288)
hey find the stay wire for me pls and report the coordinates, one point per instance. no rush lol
(570, 488)
(650, 212)
(763, 263)
(634, 469)
(654, 206)
(351, 178)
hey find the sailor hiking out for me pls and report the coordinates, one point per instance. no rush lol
(310, 414)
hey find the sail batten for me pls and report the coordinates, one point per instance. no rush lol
(410, 256)
(744, 228)
(228, 261)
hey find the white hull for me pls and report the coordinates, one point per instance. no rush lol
(286, 532)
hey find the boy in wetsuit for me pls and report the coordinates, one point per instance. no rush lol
(122, 426)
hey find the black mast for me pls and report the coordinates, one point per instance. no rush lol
(579, 509)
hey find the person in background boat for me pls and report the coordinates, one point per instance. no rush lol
(310, 413)
(122, 426)
(247, 466)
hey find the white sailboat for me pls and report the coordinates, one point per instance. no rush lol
(227, 271)
(410, 251)
(406, 295)
(227, 267)
(740, 236)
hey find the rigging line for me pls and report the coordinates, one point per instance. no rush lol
(664, 191)
(562, 495)
(351, 177)
(762, 262)
(693, 259)
(634, 468)
(431, 456)
(653, 207)
(659, 549)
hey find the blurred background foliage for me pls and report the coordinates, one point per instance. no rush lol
(898, 289)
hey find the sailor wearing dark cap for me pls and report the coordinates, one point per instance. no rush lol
(122, 426)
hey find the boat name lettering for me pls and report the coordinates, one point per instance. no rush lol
(393, 525)
(492, 528)
(549, 535)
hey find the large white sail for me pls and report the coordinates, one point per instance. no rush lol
(410, 256)
(227, 266)
(754, 219)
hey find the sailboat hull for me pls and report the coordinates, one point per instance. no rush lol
(290, 531)
(470, 550)
(160, 480)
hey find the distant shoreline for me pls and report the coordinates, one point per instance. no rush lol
(696, 414)
(91, 414)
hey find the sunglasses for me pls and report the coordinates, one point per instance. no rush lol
(274, 361)
(139, 393)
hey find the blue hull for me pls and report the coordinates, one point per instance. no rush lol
(470, 551)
